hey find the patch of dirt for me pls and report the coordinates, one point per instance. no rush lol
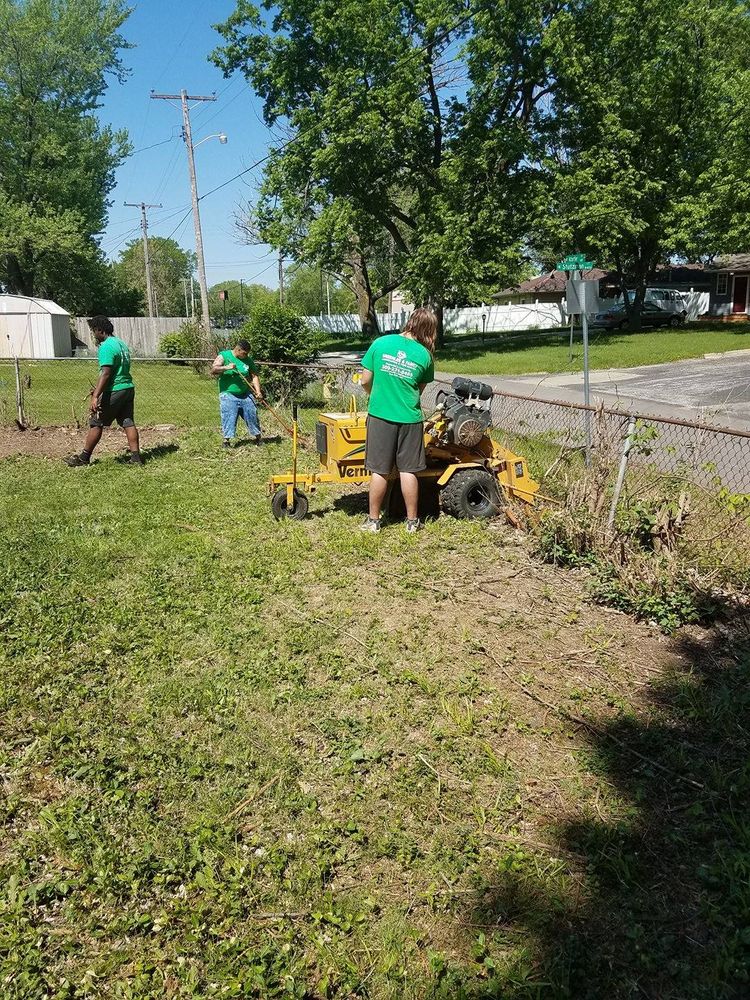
(59, 442)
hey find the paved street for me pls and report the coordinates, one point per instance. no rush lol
(715, 390)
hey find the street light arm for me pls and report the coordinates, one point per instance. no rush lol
(218, 135)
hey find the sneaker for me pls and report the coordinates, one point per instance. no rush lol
(372, 525)
(412, 527)
(75, 461)
(227, 443)
(136, 458)
(258, 439)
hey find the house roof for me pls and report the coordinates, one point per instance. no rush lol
(551, 281)
(731, 262)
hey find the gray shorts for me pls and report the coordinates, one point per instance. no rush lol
(392, 445)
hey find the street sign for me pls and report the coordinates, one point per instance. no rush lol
(575, 262)
(223, 295)
(581, 297)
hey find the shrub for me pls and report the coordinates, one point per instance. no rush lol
(185, 343)
(277, 334)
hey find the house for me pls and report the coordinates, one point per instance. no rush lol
(730, 286)
(548, 287)
(33, 328)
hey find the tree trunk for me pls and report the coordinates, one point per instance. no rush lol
(368, 317)
(437, 307)
(20, 282)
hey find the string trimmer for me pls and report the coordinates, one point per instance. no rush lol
(279, 420)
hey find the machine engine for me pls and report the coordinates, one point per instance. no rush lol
(460, 417)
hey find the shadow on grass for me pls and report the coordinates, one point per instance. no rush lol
(151, 454)
(655, 903)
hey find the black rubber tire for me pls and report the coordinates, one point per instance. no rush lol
(675, 321)
(280, 509)
(472, 494)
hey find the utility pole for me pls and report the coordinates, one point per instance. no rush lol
(146, 255)
(183, 97)
(187, 307)
(281, 280)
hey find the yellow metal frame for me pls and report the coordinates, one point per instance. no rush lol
(345, 455)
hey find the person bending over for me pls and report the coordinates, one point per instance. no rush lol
(113, 397)
(234, 369)
(397, 367)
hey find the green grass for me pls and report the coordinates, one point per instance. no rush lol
(248, 759)
(58, 393)
(531, 351)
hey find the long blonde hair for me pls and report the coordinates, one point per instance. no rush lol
(422, 325)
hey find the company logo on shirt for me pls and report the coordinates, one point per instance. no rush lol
(399, 365)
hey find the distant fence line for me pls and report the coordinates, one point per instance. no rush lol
(143, 334)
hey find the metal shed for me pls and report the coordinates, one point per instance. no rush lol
(33, 328)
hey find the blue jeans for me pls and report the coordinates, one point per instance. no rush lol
(231, 407)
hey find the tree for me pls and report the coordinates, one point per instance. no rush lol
(240, 302)
(308, 290)
(389, 175)
(170, 267)
(277, 334)
(57, 162)
(645, 91)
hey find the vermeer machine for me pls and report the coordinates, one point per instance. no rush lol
(474, 475)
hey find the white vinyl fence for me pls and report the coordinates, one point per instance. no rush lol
(497, 319)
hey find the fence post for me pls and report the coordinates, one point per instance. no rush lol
(621, 473)
(19, 396)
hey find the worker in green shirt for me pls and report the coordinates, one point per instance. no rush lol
(113, 397)
(396, 369)
(236, 371)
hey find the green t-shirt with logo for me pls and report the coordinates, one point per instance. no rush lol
(115, 354)
(231, 381)
(399, 366)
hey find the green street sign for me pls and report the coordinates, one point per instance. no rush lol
(575, 262)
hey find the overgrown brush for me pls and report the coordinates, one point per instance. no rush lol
(675, 553)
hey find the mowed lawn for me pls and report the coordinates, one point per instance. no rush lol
(248, 759)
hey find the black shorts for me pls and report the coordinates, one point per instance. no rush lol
(115, 406)
(389, 445)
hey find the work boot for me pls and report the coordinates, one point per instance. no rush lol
(372, 525)
(413, 526)
(76, 461)
(136, 458)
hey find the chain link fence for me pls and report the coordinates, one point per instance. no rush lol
(552, 434)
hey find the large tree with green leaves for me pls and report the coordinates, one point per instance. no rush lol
(241, 300)
(638, 153)
(56, 161)
(171, 266)
(410, 125)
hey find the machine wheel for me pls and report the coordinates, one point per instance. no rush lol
(675, 321)
(472, 494)
(280, 509)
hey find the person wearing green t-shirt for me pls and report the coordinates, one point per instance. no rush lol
(396, 369)
(236, 371)
(113, 397)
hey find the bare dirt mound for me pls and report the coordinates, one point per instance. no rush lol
(57, 442)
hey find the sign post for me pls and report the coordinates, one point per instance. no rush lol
(576, 292)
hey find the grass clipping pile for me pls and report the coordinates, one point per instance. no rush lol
(676, 553)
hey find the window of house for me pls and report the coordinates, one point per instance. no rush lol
(722, 284)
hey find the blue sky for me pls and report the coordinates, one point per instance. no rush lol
(172, 40)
